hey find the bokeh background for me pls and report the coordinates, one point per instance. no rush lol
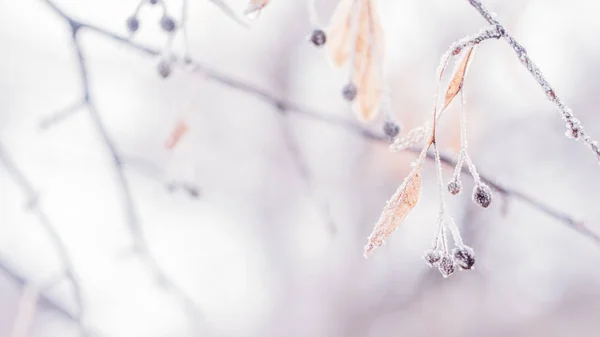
(273, 244)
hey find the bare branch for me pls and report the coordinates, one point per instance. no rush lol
(140, 244)
(34, 206)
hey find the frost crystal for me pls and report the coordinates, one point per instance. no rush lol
(482, 195)
(464, 257)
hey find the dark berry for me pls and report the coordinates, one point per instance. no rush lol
(318, 37)
(482, 195)
(167, 24)
(464, 257)
(391, 129)
(432, 257)
(349, 92)
(164, 68)
(133, 24)
(446, 266)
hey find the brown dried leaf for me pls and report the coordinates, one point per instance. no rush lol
(458, 78)
(402, 202)
(366, 48)
(255, 6)
(180, 129)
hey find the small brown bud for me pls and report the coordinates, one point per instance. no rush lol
(164, 68)
(167, 24)
(482, 195)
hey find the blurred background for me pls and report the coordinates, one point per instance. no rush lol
(258, 218)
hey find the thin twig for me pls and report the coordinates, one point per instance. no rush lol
(574, 127)
(33, 203)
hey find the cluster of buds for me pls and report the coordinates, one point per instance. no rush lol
(462, 257)
(166, 23)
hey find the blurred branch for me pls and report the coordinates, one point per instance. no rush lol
(140, 244)
(287, 106)
(33, 205)
(574, 128)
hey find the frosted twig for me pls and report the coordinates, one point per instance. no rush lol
(33, 204)
(574, 127)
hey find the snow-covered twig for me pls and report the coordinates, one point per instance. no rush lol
(574, 127)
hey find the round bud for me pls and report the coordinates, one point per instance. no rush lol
(446, 266)
(318, 37)
(349, 92)
(464, 257)
(432, 257)
(454, 186)
(167, 23)
(164, 68)
(391, 129)
(482, 195)
(133, 24)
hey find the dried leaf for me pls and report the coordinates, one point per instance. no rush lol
(363, 43)
(255, 6)
(458, 78)
(402, 202)
(180, 129)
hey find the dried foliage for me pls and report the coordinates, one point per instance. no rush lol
(355, 37)
(402, 202)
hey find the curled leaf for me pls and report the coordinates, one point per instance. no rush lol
(402, 202)
(459, 77)
(180, 129)
(355, 34)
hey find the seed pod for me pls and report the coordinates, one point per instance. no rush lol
(482, 195)
(349, 92)
(454, 186)
(167, 24)
(164, 68)
(133, 24)
(432, 257)
(446, 266)
(391, 129)
(318, 38)
(464, 257)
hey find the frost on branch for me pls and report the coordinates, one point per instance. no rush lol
(402, 202)
(355, 37)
